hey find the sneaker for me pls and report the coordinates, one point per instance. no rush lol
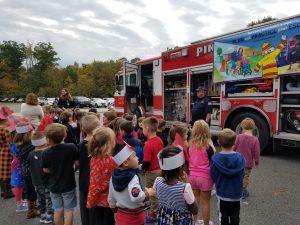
(201, 222)
(43, 218)
(245, 195)
(48, 219)
(151, 217)
(21, 208)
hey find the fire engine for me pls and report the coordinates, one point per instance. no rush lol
(252, 72)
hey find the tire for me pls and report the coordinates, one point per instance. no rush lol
(262, 128)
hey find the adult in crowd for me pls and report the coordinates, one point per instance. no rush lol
(31, 110)
(202, 107)
(65, 100)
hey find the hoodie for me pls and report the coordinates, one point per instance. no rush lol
(136, 143)
(23, 151)
(125, 191)
(227, 171)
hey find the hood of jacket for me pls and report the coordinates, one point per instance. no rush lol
(229, 164)
(23, 151)
(132, 141)
(121, 178)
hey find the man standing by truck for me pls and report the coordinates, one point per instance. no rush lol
(202, 107)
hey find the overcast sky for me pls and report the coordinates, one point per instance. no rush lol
(87, 30)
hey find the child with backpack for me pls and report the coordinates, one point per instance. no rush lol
(200, 151)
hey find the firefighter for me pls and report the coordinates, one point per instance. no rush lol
(202, 107)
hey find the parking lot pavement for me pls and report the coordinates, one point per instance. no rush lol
(274, 195)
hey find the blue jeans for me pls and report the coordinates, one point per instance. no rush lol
(67, 200)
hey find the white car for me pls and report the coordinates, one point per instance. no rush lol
(98, 102)
(110, 101)
(50, 101)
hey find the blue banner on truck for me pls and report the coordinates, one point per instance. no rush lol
(265, 52)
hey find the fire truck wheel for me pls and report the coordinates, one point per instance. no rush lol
(261, 131)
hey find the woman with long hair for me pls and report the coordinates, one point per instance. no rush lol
(65, 100)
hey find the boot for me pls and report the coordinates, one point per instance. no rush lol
(32, 212)
(7, 192)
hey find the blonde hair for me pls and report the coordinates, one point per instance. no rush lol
(101, 143)
(90, 123)
(200, 134)
(248, 124)
(226, 138)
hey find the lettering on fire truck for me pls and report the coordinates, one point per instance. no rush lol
(204, 49)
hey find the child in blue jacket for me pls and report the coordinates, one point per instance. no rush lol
(227, 171)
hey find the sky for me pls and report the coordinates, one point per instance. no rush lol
(88, 30)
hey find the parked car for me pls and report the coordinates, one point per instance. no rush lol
(110, 101)
(81, 101)
(98, 102)
(43, 101)
(20, 100)
(50, 101)
(4, 100)
(11, 100)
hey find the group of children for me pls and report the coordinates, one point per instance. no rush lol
(126, 170)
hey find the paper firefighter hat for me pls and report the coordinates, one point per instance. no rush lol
(173, 162)
(123, 155)
(39, 142)
(24, 128)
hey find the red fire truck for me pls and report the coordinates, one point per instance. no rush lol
(249, 73)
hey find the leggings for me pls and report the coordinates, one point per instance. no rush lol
(18, 194)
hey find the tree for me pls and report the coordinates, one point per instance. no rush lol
(45, 56)
(12, 55)
(260, 21)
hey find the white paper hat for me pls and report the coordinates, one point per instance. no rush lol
(123, 155)
(23, 129)
(172, 162)
(39, 142)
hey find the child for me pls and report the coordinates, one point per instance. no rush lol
(66, 118)
(152, 147)
(101, 168)
(200, 151)
(178, 135)
(59, 160)
(108, 116)
(89, 124)
(78, 117)
(139, 131)
(115, 126)
(40, 180)
(130, 117)
(176, 199)
(5, 156)
(160, 132)
(126, 197)
(55, 114)
(17, 180)
(126, 129)
(248, 145)
(24, 147)
(227, 171)
(46, 120)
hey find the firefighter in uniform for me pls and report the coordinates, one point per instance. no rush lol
(202, 107)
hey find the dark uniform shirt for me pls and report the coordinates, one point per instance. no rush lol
(39, 178)
(201, 108)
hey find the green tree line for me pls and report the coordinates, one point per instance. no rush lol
(28, 68)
